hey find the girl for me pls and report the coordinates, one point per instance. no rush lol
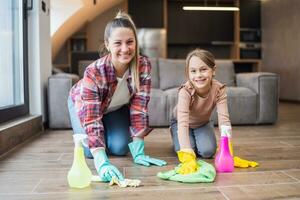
(109, 104)
(192, 131)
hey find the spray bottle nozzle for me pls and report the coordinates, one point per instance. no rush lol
(80, 140)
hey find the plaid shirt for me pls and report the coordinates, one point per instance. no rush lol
(93, 93)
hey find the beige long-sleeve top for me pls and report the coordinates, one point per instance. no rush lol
(193, 111)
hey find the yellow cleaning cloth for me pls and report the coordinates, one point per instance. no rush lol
(122, 184)
(125, 183)
(238, 162)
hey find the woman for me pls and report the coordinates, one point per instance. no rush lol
(109, 104)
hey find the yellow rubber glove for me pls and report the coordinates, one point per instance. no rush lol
(238, 162)
(187, 157)
(230, 148)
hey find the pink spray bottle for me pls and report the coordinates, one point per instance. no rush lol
(223, 160)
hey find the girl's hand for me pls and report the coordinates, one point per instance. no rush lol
(187, 157)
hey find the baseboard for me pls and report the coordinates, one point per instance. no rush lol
(17, 131)
(289, 101)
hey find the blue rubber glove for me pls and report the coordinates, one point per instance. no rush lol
(137, 151)
(105, 170)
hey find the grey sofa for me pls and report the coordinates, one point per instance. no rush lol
(252, 97)
(59, 86)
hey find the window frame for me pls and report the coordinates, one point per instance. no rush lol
(10, 113)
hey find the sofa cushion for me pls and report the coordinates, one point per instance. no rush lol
(242, 103)
(266, 85)
(73, 77)
(171, 73)
(157, 108)
(59, 86)
(154, 72)
(242, 106)
(225, 72)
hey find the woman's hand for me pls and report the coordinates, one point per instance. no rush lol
(104, 168)
(137, 151)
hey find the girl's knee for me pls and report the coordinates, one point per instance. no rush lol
(176, 148)
(208, 153)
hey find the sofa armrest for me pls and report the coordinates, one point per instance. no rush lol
(266, 85)
(59, 86)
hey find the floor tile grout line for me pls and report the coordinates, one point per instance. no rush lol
(256, 185)
(22, 161)
(61, 155)
(290, 176)
(225, 196)
(119, 191)
(287, 144)
(256, 172)
(166, 189)
(246, 172)
(275, 137)
(34, 188)
(124, 171)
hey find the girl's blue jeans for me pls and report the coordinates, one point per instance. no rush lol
(116, 129)
(202, 139)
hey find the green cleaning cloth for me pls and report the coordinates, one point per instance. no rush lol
(206, 173)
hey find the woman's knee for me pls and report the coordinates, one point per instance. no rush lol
(117, 144)
(118, 149)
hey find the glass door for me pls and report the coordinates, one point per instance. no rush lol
(13, 60)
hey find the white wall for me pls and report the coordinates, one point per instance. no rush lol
(75, 22)
(281, 44)
(61, 10)
(39, 57)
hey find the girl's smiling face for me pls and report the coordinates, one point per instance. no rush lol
(200, 74)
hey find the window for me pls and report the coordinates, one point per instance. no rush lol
(13, 60)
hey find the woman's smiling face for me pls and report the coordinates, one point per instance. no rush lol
(122, 46)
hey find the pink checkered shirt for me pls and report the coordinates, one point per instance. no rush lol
(93, 93)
